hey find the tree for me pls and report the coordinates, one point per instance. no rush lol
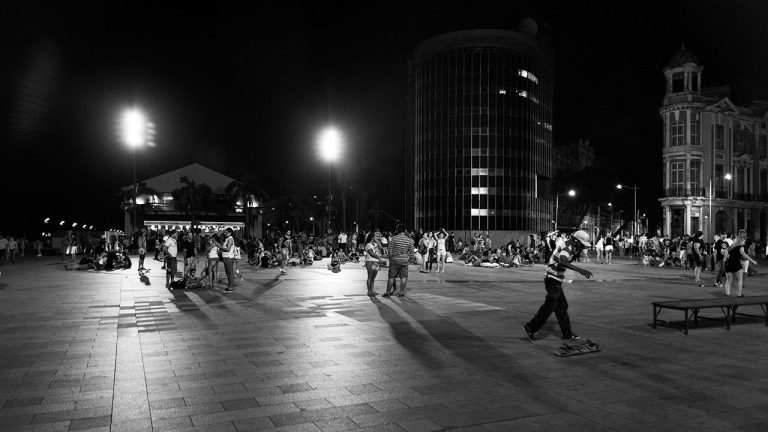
(241, 190)
(192, 197)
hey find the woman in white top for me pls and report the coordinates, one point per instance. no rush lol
(599, 246)
(228, 254)
(431, 252)
(213, 260)
(441, 250)
(373, 257)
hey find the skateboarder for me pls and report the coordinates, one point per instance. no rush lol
(555, 301)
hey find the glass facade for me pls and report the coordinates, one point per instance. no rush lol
(483, 133)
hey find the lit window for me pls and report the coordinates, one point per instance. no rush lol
(525, 74)
(479, 212)
(479, 171)
(522, 93)
(502, 91)
(479, 191)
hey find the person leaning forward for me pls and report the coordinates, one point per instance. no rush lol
(555, 301)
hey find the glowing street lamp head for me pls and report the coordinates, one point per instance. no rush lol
(727, 176)
(134, 128)
(329, 144)
(618, 186)
(571, 192)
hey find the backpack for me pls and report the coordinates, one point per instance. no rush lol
(179, 284)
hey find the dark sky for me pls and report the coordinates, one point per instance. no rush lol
(247, 88)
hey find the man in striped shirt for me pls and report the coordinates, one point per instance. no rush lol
(400, 253)
(555, 301)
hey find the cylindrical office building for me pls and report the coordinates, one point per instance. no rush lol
(482, 132)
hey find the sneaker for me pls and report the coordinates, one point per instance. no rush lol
(529, 333)
(228, 290)
(573, 337)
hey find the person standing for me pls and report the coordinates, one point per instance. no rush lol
(555, 301)
(286, 248)
(142, 244)
(373, 257)
(720, 246)
(213, 260)
(342, 241)
(12, 247)
(734, 270)
(431, 250)
(697, 256)
(228, 256)
(190, 254)
(170, 251)
(608, 245)
(400, 253)
(442, 251)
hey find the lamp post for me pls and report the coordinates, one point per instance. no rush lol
(711, 192)
(329, 146)
(136, 132)
(557, 202)
(634, 215)
(611, 223)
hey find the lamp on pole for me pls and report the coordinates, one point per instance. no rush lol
(711, 192)
(329, 146)
(634, 215)
(557, 202)
(136, 132)
(611, 223)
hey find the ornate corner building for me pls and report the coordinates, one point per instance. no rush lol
(482, 131)
(715, 156)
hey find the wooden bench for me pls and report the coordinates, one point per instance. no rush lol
(727, 305)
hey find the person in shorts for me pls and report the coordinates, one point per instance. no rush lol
(373, 257)
(170, 250)
(400, 254)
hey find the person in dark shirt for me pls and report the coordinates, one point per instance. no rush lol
(720, 246)
(190, 254)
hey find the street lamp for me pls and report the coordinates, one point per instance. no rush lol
(557, 202)
(634, 215)
(329, 147)
(136, 132)
(711, 192)
(611, 223)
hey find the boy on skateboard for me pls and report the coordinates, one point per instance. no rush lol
(555, 301)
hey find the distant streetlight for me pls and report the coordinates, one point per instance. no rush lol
(329, 147)
(47, 220)
(634, 215)
(571, 193)
(61, 223)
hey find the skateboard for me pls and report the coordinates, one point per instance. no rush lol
(570, 349)
(142, 272)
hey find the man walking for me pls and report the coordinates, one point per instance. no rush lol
(555, 301)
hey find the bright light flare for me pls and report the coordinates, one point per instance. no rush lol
(727, 176)
(571, 192)
(134, 128)
(329, 144)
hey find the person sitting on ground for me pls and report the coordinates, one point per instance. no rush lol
(335, 264)
(504, 259)
(123, 261)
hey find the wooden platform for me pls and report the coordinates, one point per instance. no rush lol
(728, 306)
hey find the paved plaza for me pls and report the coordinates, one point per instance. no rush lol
(103, 351)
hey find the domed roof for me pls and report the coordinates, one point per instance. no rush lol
(682, 57)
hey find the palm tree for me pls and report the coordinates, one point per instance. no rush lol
(242, 190)
(191, 197)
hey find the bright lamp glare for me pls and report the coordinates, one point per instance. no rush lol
(572, 192)
(728, 176)
(330, 144)
(134, 127)
(618, 186)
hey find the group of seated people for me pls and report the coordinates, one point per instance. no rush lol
(307, 257)
(505, 257)
(107, 261)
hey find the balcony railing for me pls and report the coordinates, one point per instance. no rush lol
(685, 192)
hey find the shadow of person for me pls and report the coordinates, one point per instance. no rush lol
(144, 279)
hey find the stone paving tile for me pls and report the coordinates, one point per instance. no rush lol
(321, 414)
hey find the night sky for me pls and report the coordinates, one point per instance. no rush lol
(245, 89)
